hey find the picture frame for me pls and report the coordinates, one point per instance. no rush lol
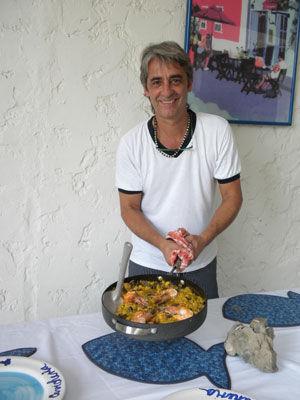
(244, 58)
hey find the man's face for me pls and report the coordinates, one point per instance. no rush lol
(167, 88)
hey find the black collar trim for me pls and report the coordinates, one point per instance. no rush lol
(187, 140)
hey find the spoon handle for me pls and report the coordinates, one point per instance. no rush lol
(123, 267)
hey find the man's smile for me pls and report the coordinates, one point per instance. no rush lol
(168, 101)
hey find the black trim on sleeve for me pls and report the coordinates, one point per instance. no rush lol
(233, 178)
(129, 191)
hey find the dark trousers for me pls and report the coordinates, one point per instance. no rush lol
(205, 277)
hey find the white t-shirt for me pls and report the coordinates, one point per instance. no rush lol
(177, 192)
(282, 65)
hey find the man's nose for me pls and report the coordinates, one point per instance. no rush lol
(167, 89)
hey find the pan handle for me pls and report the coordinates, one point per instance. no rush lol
(123, 267)
(130, 330)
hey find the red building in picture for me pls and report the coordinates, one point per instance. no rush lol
(257, 27)
(220, 20)
(235, 46)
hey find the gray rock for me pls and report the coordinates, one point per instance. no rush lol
(254, 343)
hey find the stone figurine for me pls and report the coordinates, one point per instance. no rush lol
(254, 343)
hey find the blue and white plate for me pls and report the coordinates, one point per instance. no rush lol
(205, 394)
(25, 378)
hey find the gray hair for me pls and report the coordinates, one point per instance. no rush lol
(166, 52)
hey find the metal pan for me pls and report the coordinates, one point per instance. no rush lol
(155, 332)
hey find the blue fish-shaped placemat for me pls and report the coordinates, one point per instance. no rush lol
(22, 352)
(279, 311)
(165, 362)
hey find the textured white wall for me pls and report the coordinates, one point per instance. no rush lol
(69, 90)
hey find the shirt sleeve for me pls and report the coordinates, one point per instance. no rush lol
(128, 177)
(228, 163)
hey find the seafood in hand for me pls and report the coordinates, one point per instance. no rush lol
(186, 255)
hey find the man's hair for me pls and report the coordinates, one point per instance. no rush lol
(166, 52)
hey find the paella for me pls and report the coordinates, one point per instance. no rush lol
(158, 302)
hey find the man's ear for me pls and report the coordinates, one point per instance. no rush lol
(190, 85)
(146, 93)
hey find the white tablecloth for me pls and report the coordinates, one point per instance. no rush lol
(58, 341)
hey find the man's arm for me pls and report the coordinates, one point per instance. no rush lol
(232, 199)
(137, 222)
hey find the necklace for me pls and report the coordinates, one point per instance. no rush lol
(183, 139)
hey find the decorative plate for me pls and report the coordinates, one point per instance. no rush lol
(204, 394)
(25, 378)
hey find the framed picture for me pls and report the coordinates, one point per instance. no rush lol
(244, 56)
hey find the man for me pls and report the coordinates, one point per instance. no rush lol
(167, 169)
(203, 52)
(281, 65)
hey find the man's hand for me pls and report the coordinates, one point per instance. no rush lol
(198, 244)
(167, 247)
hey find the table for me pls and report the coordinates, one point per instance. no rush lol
(58, 341)
(228, 67)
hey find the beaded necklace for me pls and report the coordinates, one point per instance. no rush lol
(177, 150)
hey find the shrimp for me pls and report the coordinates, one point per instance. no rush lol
(178, 312)
(142, 316)
(135, 298)
(166, 295)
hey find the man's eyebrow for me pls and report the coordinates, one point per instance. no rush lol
(154, 78)
(176, 76)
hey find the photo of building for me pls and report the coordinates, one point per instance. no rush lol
(247, 53)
